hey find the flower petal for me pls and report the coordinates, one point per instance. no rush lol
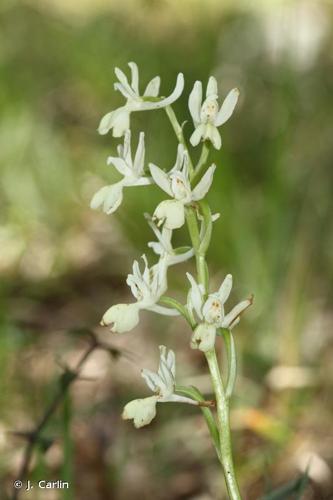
(135, 77)
(139, 159)
(153, 87)
(225, 289)
(203, 337)
(195, 297)
(152, 379)
(161, 178)
(165, 374)
(106, 123)
(204, 184)
(113, 198)
(123, 80)
(213, 135)
(212, 87)
(121, 122)
(110, 197)
(231, 318)
(142, 411)
(181, 158)
(120, 165)
(171, 361)
(227, 107)
(197, 135)
(126, 153)
(98, 198)
(128, 96)
(123, 317)
(171, 213)
(145, 105)
(195, 101)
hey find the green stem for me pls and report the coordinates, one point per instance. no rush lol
(223, 426)
(220, 394)
(193, 229)
(200, 167)
(200, 247)
(179, 134)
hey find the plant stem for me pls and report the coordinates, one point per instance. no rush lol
(222, 401)
(193, 229)
(200, 167)
(223, 426)
(200, 246)
(179, 134)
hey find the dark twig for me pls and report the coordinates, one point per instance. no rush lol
(65, 380)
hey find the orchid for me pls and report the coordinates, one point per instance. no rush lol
(186, 185)
(207, 116)
(147, 287)
(119, 120)
(210, 312)
(163, 247)
(162, 383)
(176, 184)
(110, 197)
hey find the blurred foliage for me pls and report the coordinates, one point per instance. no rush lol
(61, 264)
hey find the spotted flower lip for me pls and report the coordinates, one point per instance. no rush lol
(176, 184)
(110, 197)
(147, 287)
(162, 384)
(119, 120)
(206, 115)
(210, 312)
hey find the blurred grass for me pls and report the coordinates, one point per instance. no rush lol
(62, 265)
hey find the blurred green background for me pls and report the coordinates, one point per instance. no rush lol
(62, 264)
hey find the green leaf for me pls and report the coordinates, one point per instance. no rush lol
(232, 361)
